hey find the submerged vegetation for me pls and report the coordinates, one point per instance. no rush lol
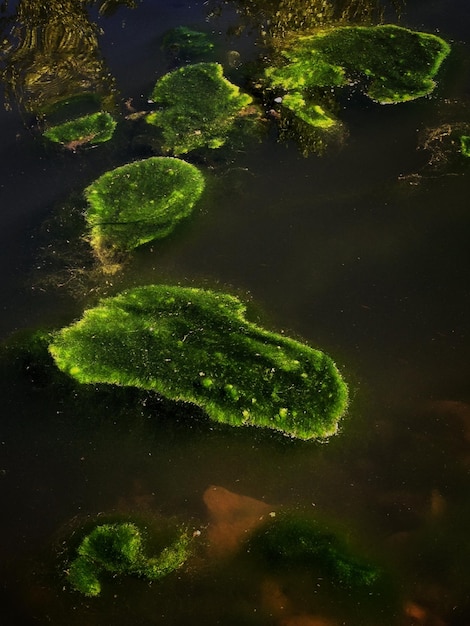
(94, 128)
(197, 107)
(196, 346)
(290, 539)
(118, 549)
(139, 202)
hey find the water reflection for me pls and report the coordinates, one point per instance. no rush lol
(52, 56)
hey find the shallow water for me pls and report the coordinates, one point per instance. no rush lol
(344, 251)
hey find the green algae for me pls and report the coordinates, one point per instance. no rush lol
(141, 201)
(119, 549)
(396, 64)
(312, 114)
(293, 539)
(89, 129)
(195, 345)
(198, 107)
(465, 145)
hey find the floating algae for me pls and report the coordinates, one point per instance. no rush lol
(396, 63)
(118, 549)
(197, 107)
(139, 202)
(89, 129)
(196, 346)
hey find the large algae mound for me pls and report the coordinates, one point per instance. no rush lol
(196, 346)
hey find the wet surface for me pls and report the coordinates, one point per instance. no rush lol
(344, 251)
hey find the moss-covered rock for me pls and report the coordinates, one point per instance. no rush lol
(119, 550)
(197, 107)
(396, 64)
(89, 129)
(292, 539)
(140, 202)
(196, 346)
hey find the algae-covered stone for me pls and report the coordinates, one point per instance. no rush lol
(397, 64)
(119, 549)
(197, 107)
(140, 202)
(196, 346)
(94, 128)
(293, 539)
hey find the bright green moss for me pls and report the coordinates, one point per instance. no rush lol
(197, 107)
(140, 202)
(397, 64)
(94, 128)
(465, 145)
(119, 549)
(196, 346)
(296, 540)
(312, 114)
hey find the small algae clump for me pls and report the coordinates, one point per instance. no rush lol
(465, 145)
(140, 202)
(197, 107)
(118, 549)
(196, 346)
(397, 64)
(292, 540)
(312, 114)
(89, 129)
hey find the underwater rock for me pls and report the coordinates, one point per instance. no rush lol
(195, 345)
(119, 549)
(89, 129)
(232, 518)
(396, 63)
(139, 202)
(197, 107)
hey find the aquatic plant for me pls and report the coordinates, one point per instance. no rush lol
(94, 128)
(292, 539)
(140, 202)
(397, 64)
(119, 549)
(197, 107)
(196, 346)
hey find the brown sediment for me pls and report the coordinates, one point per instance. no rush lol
(232, 517)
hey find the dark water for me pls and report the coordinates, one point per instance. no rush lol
(345, 251)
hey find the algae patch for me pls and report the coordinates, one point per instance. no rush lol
(118, 549)
(196, 346)
(141, 201)
(89, 129)
(397, 64)
(198, 107)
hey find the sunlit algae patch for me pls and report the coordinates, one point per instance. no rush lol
(119, 549)
(397, 64)
(196, 346)
(197, 107)
(94, 128)
(141, 201)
